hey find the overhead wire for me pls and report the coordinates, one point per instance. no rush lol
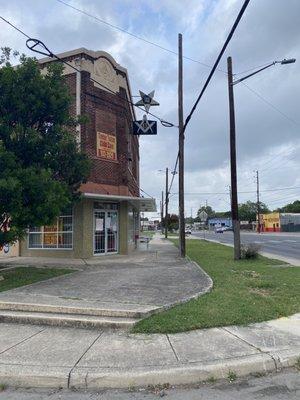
(271, 105)
(253, 68)
(243, 9)
(53, 55)
(246, 2)
(98, 19)
(243, 192)
(78, 70)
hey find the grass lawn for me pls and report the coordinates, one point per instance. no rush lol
(244, 291)
(21, 276)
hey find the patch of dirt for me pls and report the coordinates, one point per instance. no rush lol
(260, 292)
(250, 274)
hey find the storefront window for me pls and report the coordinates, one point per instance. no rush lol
(56, 236)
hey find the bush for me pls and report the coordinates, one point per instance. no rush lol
(250, 251)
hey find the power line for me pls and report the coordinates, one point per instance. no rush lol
(288, 152)
(288, 198)
(217, 61)
(13, 26)
(243, 192)
(270, 104)
(211, 74)
(76, 69)
(50, 54)
(174, 173)
(253, 68)
(98, 19)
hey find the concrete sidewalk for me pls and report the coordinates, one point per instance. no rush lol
(33, 356)
(109, 292)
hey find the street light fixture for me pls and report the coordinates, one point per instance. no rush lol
(234, 198)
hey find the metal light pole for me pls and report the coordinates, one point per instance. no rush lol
(234, 197)
(181, 151)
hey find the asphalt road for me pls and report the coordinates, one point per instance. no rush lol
(281, 244)
(280, 386)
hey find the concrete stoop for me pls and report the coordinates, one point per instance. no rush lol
(63, 316)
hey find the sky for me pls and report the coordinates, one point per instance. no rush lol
(266, 106)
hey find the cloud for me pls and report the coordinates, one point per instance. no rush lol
(267, 117)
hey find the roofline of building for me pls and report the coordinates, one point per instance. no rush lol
(95, 55)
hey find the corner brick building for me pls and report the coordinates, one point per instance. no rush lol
(106, 220)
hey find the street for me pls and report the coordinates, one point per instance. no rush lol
(278, 386)
(280, 244)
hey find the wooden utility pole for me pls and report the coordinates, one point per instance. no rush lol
(181, 151)
(258, 202)
(167, 203)
(234, 196)
(162, 210)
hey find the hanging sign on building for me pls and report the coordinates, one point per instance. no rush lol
(106, 146)
(144, 127)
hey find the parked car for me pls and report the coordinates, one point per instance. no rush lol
(188, 232)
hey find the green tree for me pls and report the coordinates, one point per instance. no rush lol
(173, 222)
(248, 211)
(41, 166)
(209, 211)
(291, 207)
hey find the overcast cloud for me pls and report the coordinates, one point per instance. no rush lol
(267, 115)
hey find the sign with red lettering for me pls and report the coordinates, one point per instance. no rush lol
(106, 146)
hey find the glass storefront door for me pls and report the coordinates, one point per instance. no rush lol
(105, 232)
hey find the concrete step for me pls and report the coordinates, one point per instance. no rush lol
(66, 320)
(118, 311)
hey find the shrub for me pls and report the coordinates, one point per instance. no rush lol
(250, 251)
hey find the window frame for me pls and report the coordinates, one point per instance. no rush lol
(57, 232)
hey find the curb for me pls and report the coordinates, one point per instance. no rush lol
(104, 378)
(292, 261)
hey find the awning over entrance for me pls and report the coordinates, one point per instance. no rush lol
(141, 204)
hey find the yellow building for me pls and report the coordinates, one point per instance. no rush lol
(270, 222)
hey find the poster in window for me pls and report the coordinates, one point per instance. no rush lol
(99, 224)
(50, 239)
(106, 146)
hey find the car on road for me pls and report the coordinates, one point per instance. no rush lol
(222, 229)
(188, 232)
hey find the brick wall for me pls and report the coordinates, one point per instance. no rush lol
(110, 114)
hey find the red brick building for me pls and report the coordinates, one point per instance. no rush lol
(106, 221)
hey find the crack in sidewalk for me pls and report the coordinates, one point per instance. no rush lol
(24, 340)
(253, 346)
(80, 358)
(175, 354)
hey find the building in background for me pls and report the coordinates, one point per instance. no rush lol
(214, 223)
(280, 222)
(106, 220)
